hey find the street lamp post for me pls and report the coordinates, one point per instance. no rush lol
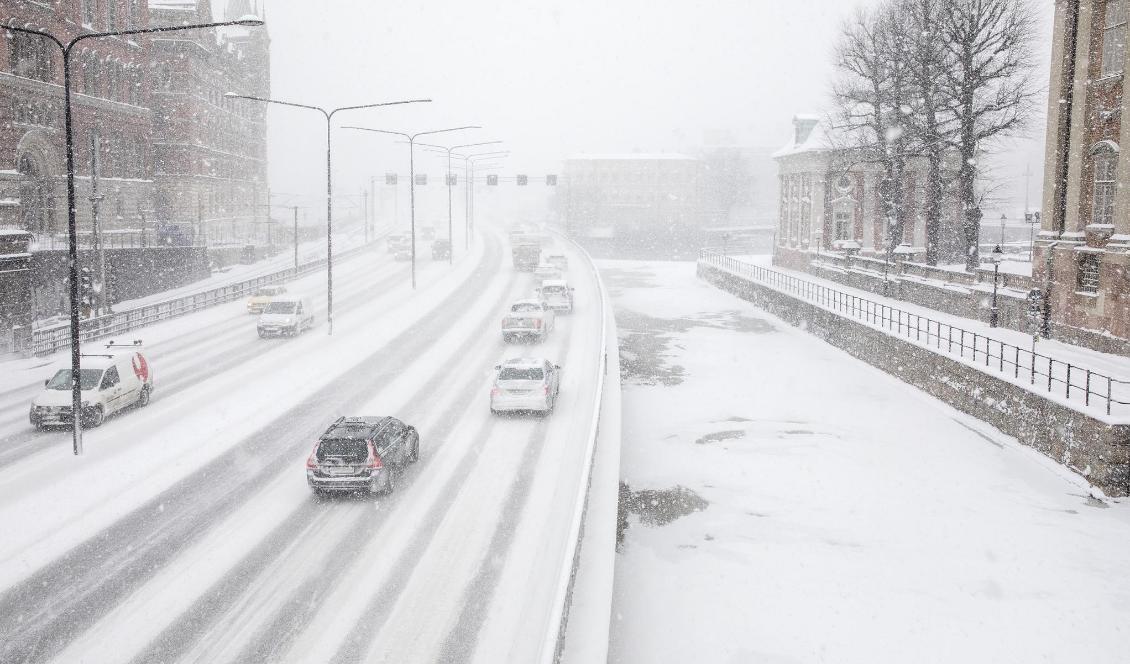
(72, 223)
(449, 150)
(994, 311)
(472, 161)
(412, 175)
(1003, 220)
(328, 114)
(468, 191)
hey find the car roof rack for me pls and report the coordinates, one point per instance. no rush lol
(136, 343)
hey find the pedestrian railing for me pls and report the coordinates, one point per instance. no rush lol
(45, 341)
(1075, 383)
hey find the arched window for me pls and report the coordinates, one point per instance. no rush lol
(1104, 162)
(1114, 38)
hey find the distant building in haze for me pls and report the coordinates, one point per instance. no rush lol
(646, 199)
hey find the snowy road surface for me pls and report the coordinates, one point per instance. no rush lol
(789, 503)
(187, 532)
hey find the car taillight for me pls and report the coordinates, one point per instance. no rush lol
(495, 392)
(312, 460)
(537, 322)
(374, 459)
(545, 390)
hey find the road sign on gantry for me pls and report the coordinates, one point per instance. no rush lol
(421, 179)
(492, 180)
(390, 179)
(522, 179)
(452, 179)
(551, 180)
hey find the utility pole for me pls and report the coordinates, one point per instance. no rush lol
(96, 229)
(365, 212)
(1027, 215)
(296, 240)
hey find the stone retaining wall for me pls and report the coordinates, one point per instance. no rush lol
(1098, 451)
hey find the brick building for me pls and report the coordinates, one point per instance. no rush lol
(210, 152)
(1083, 250)
(175, 161)
(110, 104)
(829, 201)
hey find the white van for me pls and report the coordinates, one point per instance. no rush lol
(110, 382)
(286, 315)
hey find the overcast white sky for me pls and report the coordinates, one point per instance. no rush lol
(550, 78)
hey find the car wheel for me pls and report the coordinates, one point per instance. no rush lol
(95, 417)
(494, 412)
(389, 483)
(143, 398)
(414, 455)
(262, 335)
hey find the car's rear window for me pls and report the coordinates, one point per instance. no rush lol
(350, 449)
(552, 289)
(525, 306)
(516, 373)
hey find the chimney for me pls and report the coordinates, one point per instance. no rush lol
(803, 126)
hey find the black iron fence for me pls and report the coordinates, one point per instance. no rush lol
(1075, 383)
(45, 341)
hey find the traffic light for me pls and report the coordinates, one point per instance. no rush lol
(390, 179)
(421, 179)
(522, 179)
(452, 179)
(551, 180)
(492, 180)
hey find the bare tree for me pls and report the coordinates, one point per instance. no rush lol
(931, 125)
(989, 89)
(872, 97)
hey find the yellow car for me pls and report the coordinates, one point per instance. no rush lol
(259, 300)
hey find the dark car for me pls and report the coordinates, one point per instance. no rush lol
(441, 249)
(361, 455)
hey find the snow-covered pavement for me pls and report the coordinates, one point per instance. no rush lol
(789, 503)
(187, 533)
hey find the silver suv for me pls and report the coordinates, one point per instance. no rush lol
(361, 455)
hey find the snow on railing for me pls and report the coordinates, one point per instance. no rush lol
(47, 340)
(1040, 373)
(554, 641)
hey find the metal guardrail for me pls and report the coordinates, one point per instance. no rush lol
(48, 340)
(554, 641)
(1043, 373)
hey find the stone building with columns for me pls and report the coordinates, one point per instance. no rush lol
(829, 201)
(1082, 255)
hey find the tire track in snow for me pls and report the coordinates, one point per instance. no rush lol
(39, 615)
(175, 641)
(30, 441)
(376, 615)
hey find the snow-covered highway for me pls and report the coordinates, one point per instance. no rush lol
(186, 533)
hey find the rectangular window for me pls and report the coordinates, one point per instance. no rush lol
(1114, 38)
(112, 14)
(842, 224)
(1105, 165)
(88, 9)
(1088, 278)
